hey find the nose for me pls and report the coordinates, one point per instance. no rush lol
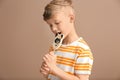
(54, 29)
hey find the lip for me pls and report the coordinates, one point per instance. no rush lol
(57, 32)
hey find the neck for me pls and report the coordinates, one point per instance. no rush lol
(71, 37)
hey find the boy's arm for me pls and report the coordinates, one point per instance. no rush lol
(65, 76)
(51, 63)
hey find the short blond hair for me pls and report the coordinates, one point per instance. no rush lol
(57, 5)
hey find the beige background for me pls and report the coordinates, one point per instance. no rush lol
(25, 37)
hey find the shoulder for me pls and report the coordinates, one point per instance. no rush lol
(82, 44)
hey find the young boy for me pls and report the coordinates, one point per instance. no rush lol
(73, 60)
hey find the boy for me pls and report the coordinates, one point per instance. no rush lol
(73, 60)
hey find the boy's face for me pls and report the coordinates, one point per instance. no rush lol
(60, 22)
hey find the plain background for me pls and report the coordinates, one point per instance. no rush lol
(25, 37)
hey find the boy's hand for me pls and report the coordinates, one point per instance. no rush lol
(44, 69)
(50, 60)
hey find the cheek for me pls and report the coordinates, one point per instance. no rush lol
(66, 30)
(64, 27)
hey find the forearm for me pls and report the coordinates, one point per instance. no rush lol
(51, 63)
(63, 75)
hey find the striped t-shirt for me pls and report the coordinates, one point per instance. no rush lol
(74, 58)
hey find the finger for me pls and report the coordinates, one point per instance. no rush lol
(44, 73)
(51, 53)
(45, 55)
(48, 57)
(46, 69)
(42, 63)
(45, 65)
(41, 70)
(45, 59)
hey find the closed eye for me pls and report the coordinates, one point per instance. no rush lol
(57, 23)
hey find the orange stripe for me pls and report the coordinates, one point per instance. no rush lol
(59, 59)
(65, 63)
(66, 49)
(64, 58)
(79, 51)
(82, 64)
(87, 52)
(73, 48)
(83, 56)
(83, 67)
(69, 47)
(87, 69)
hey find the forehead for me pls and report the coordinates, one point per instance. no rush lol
(57, 16)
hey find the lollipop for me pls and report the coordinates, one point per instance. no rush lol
(57, 43)
(58, 40)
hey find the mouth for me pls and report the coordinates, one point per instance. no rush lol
(58, 40)
(58, 33)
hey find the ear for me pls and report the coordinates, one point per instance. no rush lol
(72, 18)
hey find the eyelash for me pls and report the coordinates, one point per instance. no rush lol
(57, 23)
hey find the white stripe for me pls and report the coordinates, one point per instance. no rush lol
(82, 72)
(52, 77)
(66, 68)
(66, 54)
(84, 46)
(85, 60)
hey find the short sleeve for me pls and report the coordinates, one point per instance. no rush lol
(84, 62)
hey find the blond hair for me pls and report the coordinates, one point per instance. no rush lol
(56, 5)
